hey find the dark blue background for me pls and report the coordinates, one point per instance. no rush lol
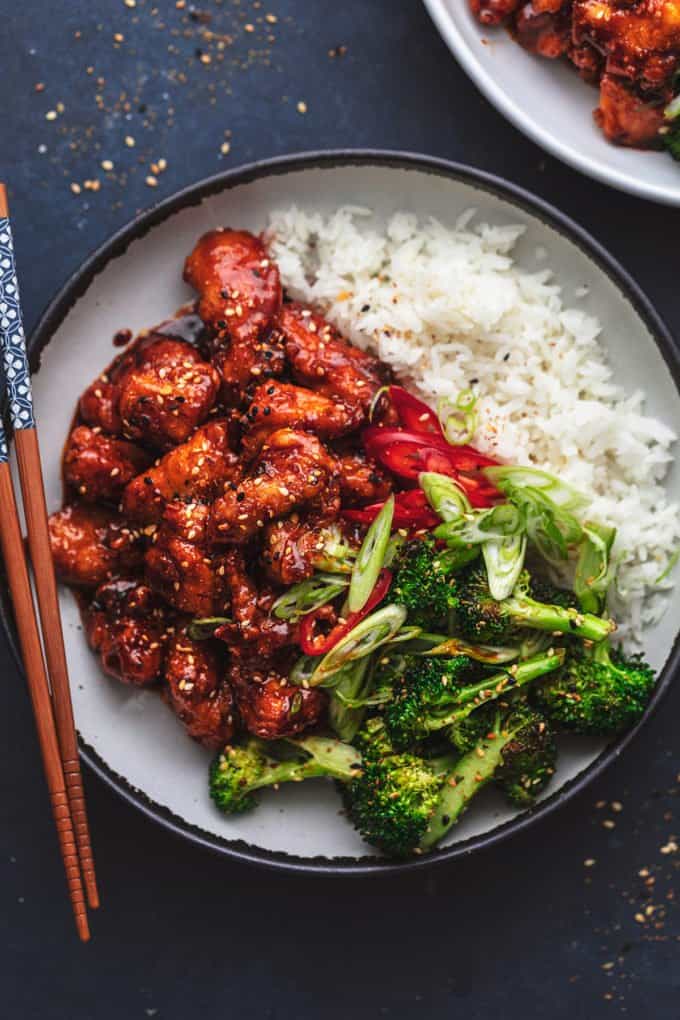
(525, 930)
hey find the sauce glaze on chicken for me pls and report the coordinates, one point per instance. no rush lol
(200, 478)
(630, 48)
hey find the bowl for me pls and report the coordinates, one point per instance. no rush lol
(134, 280)
(548, 101)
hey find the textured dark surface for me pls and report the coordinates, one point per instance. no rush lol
(526, 930)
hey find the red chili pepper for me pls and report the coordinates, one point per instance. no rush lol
(407, 454)
(414, 414)
(312, 643)
(411, 510)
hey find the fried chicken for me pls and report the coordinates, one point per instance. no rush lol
(90, 545)
(197, 690)
(98, 467)
(128, 626)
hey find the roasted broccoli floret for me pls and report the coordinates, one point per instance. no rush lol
(598, 691)
(546, 592)
(393, 799)
(435, 693)
(242, 768)
(423, 584)
(529, 759)
(479, 617)
(372, 740)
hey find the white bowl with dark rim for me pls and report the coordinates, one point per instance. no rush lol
(129, 737)
(546, 100)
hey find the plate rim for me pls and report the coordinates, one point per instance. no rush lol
(532, 128)
(193, 194)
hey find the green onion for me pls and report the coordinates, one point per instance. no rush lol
(308, 595)
(504, 560)
(458, 418)
(347, 706)
(406, 634)
(334, 555)
(444, 495)
(593, 569)
(373, 407)
(302, 671)
(370, 558)
(204, 628)
(394, 545)
(669, 567)
(561, 494)
(673, 109)
(499, 522)
(372, 632)
(493, 654)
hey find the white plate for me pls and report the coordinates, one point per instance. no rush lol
(548, 101)
(134, 281)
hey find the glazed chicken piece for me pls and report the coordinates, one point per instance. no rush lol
(494, 12)
(544, 27)
(178, 564)
(239, 298)
(197, 691)
(98, 467)
(640, 38)
(293, 470)
(156, 392)
(294, 548)
(268, 705)
(362, 481)
(253, 623)
(196, 471)
(277, 405)
(625, 118)
(127, 625)
(167, 393)
(90, 545)
(321, 359)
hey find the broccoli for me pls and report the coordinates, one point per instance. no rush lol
(529, 760)
(244, 767)
(479, 617)
(509, 746)
(436, 693)
(422, 584)
(598, 692)
(545, 591)
(671, 137)
(372, 740)
(392, 801)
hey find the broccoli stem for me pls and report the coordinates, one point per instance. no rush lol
(472, 772)
(540, 616)
(488, 689)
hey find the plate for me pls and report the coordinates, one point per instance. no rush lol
(547, 101)
(128, 736)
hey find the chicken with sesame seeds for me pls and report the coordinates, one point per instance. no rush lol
(128, 626)
(239, 298)
(91, 544)
(323, 360)
(252, 623)
(168, 391)
(197, 691)
(277, 405)
(98, 467)
(156, 392)
(293, 470)
(361, 480)
(197, 470)
(179, 564)
(268, 705)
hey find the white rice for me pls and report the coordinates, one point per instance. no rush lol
(446, 307)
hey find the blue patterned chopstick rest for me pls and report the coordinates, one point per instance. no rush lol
(15, 361)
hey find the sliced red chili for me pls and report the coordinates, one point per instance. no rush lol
(314, 643)
(406, 454)
(414, 414)
(411, 510)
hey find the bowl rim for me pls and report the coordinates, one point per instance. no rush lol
(193, 194)
(542, 136)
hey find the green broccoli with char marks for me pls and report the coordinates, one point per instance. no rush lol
(479, 617)
(423, 584)
(242, 768)
(598, 692)
(436, 693)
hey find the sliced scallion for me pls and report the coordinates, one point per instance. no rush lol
(370, 558)
(372, 632)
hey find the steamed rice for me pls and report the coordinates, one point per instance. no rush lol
(449, 309)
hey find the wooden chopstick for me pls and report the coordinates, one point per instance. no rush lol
(12, 546)
(32, 487)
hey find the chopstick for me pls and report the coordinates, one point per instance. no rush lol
(12, 546)
(32, 487)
